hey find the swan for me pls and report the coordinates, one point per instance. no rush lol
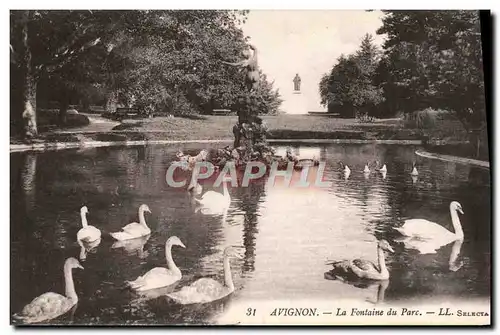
(366, 169)
(88, 233)
(436, 235)
(134, 229)
(382, 169)
(51, 305)
(215, 201)
(346, 170)
(363, 269)
(414, 171)
(160, 277)
(206, 289)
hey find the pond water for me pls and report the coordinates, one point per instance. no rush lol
(287, 233)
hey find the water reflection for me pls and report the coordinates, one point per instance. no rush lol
(379, 287)
(86, 247)
(287, 232)
(133, 247)
(28, 180)
(454, 263)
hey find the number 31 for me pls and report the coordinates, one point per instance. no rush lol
(250, 312)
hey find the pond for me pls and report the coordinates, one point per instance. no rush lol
(287, 233)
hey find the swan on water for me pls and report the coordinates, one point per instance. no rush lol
(414, 171)
(87, 233)
(134, 229)
(383, 169)
(346, 170)
(427, 236)
(215, 202)
(51, 305)
(206, 289)
(366, 169)
(160, 277)
(362, 269)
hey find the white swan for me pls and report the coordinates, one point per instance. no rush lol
(366, 169)
(215, 201)
(160, 277)
(429, 236)
(346, 171)
(383, 169)
(206, 289)
(51, 305)
(134, 229)
(88, 233)
(414, 171)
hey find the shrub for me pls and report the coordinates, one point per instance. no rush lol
(423, 119)
(76, 120)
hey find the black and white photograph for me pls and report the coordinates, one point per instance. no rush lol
(253, 167)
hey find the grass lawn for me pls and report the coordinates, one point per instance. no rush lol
(287, 127)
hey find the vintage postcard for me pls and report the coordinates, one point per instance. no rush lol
(250, 167)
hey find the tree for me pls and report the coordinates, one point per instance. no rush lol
(349, 87)
(163, 61)
(435, 57)
(42, 44)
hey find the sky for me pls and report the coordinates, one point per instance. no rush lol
(306, 42)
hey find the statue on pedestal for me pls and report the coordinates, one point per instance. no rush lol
(296, 83)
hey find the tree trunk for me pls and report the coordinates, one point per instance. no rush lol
(111, 101)
(85, 103)
(63, 108)
(29, 84)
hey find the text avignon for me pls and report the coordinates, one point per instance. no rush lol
(294, 312)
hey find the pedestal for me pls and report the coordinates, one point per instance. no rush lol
(296, 104)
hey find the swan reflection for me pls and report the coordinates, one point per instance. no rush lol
(133, 247)
(380, 286)
(454, 263)
(86, 247)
